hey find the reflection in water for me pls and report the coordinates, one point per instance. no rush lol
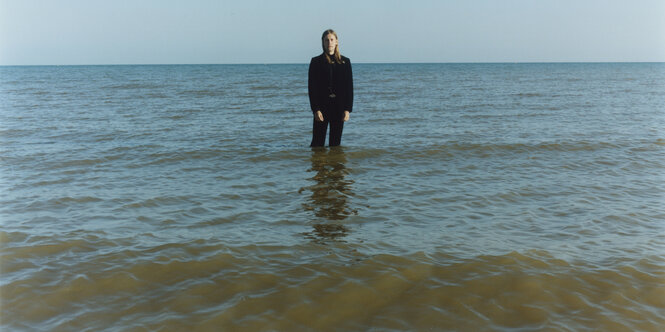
(329, 199)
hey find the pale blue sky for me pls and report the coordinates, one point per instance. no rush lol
(289, 31)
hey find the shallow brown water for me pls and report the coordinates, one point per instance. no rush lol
(325, 287)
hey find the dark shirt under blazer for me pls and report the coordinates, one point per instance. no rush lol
(320, 81)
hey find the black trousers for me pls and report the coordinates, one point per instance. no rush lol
(332, 116)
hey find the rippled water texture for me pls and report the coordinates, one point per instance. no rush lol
(464, 197)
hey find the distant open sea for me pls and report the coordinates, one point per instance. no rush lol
(466, 197)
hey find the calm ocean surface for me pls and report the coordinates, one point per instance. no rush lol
(464, 197)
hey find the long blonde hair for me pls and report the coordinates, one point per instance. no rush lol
(336, 57)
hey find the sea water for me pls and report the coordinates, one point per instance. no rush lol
(463, 197)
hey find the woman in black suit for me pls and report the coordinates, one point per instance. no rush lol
(330, 91)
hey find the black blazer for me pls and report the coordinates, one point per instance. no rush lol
(320, 83)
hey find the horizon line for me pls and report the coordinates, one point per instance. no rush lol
(305, 63)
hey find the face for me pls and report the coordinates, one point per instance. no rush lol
(329, 43)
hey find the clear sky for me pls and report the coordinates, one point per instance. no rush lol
(289, 31)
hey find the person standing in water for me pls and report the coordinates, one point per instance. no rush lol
(330, 91)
